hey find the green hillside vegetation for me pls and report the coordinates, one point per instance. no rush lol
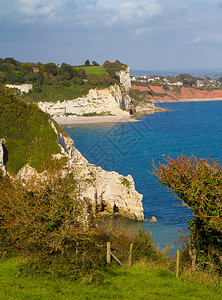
(141, 281)
(29, 138)
(198, 183)
(58, 82)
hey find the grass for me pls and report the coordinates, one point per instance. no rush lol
(96, 70)
(143, 281)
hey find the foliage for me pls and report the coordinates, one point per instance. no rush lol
(29, 138)
(187, 79)
(138, 97)
(58, 82)
(198, 183)
(87, 63)
(95, 114)
(113, 68)
(125, 182)
(50, 226)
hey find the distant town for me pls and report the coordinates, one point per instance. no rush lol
(180, 80)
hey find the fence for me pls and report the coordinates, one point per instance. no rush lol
(110, 254)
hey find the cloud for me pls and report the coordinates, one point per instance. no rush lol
(212, 38)
(133, 14)
(32, 10)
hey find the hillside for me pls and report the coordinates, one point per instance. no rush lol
(28, 136)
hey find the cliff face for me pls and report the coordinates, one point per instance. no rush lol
(156, 93)
(114, 99)
(104, 190)
(109, 100)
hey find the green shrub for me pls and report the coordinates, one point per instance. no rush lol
(198, 183)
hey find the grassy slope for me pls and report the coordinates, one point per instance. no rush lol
(137, 282)
(28, 134)
(97, 70)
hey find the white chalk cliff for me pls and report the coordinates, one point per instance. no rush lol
(114, 99)
(23, 88)
(101, 188)
(107, 101)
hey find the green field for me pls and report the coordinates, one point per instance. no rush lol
(142, 281)
(96, 70)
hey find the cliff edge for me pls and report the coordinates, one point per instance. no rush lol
(35, 142)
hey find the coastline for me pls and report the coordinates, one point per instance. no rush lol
(62, 120)
(187, 100)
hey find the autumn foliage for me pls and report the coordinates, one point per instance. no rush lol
(198, 183)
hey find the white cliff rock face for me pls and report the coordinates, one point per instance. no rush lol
(125, 86)
(109, 100)
(125, 80)
(2, 167)
(99, 187)
(23, 88)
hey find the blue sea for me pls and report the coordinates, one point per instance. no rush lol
(129, 148)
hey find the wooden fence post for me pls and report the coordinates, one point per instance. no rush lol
(130, 254)
(108, 256)
(177, 263)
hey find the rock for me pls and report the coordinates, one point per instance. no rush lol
(106, 101)
(153, 219)
(125, 81)
(2, 167)
(23, 88)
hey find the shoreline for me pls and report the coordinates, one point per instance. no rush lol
(92, 120)
(187, 100)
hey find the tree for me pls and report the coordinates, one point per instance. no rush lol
(52, 68)
(27, 67)
(94, 79)
(87, 63)
(94, 63)
(81, 73)
(198, 183)
(67, 72)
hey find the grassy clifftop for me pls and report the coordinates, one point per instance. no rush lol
(58, 82)
(29, 138)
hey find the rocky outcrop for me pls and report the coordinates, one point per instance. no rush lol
(125, 86)
(23, 88)
(124, 77)
(106, 101)
(2, 167)
(145, 108)
(105, 191)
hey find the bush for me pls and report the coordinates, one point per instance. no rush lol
(198, 183)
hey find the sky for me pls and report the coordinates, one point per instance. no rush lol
(145, 34)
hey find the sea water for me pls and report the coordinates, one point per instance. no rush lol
(193, 128)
